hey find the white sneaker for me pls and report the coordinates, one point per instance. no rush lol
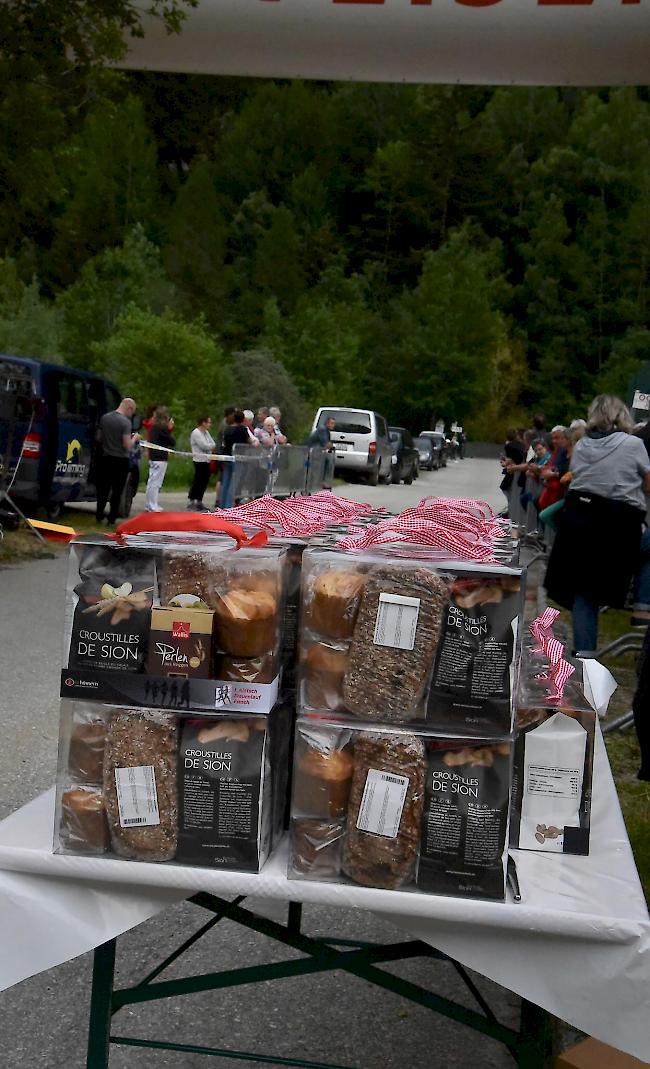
(155, 508)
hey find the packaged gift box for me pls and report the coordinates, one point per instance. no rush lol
(553, 772)
(398, 809)
(419, 638)
(174, 621)
(150, 785)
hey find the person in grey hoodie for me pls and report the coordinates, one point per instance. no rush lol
(596, 549)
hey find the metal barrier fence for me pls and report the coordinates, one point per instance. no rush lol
(525, 514)
(281, 471)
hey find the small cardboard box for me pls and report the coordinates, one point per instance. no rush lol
(181, 643)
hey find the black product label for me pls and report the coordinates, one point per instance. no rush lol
(472, 675)
(221, 783)
(465, 819)
(111, 622)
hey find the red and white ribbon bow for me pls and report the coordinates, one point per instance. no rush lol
(459, 527)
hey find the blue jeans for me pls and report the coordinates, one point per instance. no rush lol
(225, 498)
(585, 626)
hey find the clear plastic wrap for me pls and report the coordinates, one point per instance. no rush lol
(207, 791)
(192, 606)
(403, 638)
(393, 808)
(369, 628)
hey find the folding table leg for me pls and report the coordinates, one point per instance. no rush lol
(535, 1045)
(101, 999)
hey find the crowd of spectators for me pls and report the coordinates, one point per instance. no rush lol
(238, 427)
(588, 484)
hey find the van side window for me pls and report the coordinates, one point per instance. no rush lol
(381, 427)
(72, 401)
(113, 397)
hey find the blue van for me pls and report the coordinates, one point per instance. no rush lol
(51, 413)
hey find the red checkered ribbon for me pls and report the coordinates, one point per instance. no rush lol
(560, 673)
(559, 670)
(541, 629)
(460, 527)
(298, 515)
(554, 651)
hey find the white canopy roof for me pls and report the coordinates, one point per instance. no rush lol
(490, 42)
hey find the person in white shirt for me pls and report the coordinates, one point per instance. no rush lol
(202, 444)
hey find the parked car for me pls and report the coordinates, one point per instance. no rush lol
(48, 421)
(428, 458)
(405, 455)
(361, 443)
(439, 444)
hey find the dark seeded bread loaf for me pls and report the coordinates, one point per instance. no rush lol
(383, 682)
(383, 860)
(138, 737)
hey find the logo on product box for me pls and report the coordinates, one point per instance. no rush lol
(70, 682)
(180, 629)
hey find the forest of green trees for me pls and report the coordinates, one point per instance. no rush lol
(458, 253)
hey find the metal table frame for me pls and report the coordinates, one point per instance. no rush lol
(530, 1045)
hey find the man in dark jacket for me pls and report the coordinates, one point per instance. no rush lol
(322, 435)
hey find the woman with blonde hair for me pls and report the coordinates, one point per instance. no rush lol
(595, 552)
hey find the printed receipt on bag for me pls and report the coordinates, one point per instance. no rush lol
(397, 621)
(383, 800)
(137, 798)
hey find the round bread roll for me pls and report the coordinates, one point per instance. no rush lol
(335, 603)
(246, 622)
(324, 667)
(83, 820)
(322, 784)
(316, 848)
(264, 581)
(86, 753)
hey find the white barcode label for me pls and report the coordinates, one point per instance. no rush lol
(397, 621)
(137, 798)
(383, 800)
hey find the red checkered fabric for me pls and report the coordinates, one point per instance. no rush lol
(560, 674)
(460, 527)
(298, 515)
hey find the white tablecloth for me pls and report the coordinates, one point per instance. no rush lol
(578, 944)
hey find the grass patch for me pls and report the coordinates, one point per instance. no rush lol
(16, 546)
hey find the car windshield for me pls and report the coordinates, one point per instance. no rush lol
(423, 444)
(347, 422)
